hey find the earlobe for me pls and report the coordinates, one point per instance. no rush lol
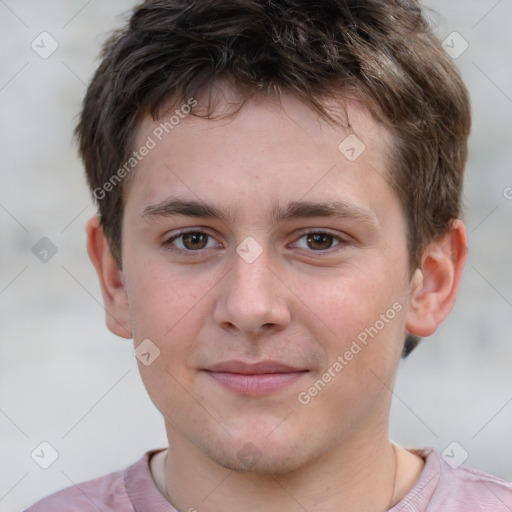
(435, 283)
(111, 280)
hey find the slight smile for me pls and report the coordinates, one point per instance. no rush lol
(254, 379)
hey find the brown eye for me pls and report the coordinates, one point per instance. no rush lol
(191, 241)
(194, 241)
(319, 241)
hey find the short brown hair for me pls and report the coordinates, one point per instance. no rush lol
(384, 50)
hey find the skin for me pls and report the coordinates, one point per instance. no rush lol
(292, 304)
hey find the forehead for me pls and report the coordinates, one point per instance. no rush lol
(270, 149)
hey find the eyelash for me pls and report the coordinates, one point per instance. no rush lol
(332, 250)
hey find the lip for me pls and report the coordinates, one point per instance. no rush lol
(253, 379)
(253, 368)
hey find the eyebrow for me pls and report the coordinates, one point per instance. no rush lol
(294, 210)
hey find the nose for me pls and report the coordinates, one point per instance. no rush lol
(252, 299)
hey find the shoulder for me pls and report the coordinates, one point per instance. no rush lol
(447, 486)
(102, 493)
(107, 493)
(473, 489)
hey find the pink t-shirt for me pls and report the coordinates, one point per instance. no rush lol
(440, 488)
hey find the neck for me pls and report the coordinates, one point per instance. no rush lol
(354, 475)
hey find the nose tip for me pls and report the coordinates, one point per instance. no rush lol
(252, 299)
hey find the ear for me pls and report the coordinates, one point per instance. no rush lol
(111, 280)
(435, 283)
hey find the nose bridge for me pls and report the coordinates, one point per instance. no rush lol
(252, 277)
(252, 296)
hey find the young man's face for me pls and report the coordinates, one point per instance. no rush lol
(253, 287)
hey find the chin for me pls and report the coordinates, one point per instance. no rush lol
(267, 463)
(260, 454)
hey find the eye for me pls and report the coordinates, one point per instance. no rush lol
(191, 241)
(318, 241)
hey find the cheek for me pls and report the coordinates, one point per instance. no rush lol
(354, 298)
(361, 356)
(170, 309)
(172, 316)
(364, 310)
(158, 297)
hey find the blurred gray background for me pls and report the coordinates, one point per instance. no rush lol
(65, 380)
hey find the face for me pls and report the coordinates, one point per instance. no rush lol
(269, 266)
